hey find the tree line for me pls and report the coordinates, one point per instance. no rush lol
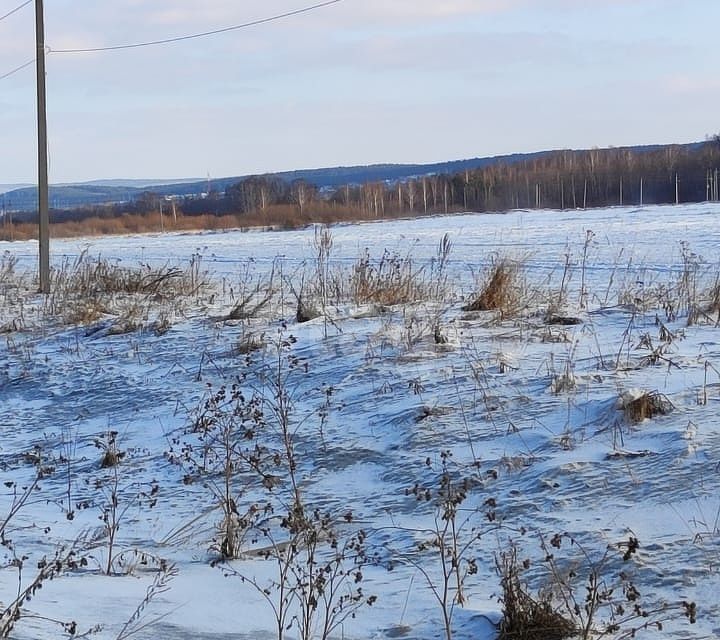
(558, 180)
(565, 179)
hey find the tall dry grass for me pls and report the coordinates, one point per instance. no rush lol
(501, 291)
(284, 216)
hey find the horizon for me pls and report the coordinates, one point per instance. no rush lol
(180, 180)
(352, 84)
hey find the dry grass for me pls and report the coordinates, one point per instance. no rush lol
(87, 290)
(391, 280)
(100, 277)
(501, 290)
(111, 454)
(524, 617)
(709, 310)
(8, 263)
(276, 217)
(644, 406)
(254, 296)
(14, 287)
(121, 225)
(714, 297)
(305, 311)
(250, 342)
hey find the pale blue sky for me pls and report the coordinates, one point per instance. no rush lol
(358, 82)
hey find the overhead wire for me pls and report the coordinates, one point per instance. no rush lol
(15, 10)
(16, 69)
(203, 34)
(25, 64)
(162, 41)
(150, 43)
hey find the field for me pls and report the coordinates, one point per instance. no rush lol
(381, 430)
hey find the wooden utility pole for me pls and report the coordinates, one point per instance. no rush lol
(43, 199)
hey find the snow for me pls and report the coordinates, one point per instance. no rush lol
(556, 457)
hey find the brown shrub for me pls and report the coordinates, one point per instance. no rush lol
(280, 216)
(500, 292)
(646, 405)
(524, 617)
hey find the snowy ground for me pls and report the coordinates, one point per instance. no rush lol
(529, 411)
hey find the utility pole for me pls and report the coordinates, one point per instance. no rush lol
(43, 199)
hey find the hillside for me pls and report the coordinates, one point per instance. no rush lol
(4, 188)
(552, 179)
(110, 191)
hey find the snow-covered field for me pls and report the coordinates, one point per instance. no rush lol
(530, 411)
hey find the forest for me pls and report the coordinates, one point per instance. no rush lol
(566, 179)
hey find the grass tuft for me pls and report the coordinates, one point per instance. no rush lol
(392, 280)
(88, 290)
(644, 406)
(501, 290)
(525, 617)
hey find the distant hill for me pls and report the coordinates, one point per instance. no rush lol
(128, 182)
(68, 196)
(4, 188)
(64, 196)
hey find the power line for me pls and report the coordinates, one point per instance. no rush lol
(16, 69)
(203, 34)
(25, 64)
(16, 9)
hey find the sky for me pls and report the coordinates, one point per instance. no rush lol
(355, 82)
